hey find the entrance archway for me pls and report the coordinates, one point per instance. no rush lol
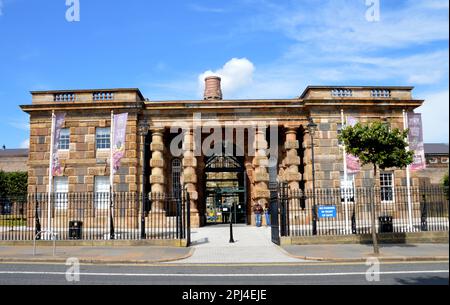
(225, 189)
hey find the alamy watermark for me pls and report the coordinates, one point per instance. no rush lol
(73, 10)
(373, 273)
(373, 13)
(73, 272)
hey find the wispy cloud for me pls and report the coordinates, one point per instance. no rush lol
(25, 144)
(21, 124)
(205, 9)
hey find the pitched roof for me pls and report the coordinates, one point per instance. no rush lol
(13, 153)
(436, 148)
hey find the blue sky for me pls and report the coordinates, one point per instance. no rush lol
(261, 48)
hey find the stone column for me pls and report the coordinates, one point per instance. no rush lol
(292, 160)
(157, 178)
(189, 175)
(261, 193)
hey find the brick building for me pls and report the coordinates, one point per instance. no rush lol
(244, 175)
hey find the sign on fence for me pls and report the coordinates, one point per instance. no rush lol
(327, 211)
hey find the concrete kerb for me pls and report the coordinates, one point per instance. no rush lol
(97, 261)
(380, 258)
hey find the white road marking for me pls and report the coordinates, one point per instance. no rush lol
(224, 275)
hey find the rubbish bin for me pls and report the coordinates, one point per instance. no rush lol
(75, 230)
(386, 224)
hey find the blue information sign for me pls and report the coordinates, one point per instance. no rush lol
(327, 211)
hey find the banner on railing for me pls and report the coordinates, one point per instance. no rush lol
(416, 141)
(59, 122)
(119, 138)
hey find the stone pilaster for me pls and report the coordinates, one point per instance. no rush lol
(261, 193)
(292, 160)
(157, 178)
(189, 175)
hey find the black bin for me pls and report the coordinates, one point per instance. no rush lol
(386, 224)
(75, 230)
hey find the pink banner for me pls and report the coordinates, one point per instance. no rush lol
(120, 130)
(416, 141)
(59, 122)
(353, 165)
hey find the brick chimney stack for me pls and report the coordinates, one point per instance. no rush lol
(213, 89)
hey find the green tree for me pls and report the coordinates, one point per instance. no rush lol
(381, 147)
(13, 183)
(3, 184)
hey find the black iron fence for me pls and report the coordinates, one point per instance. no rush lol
(94, 216)
(346, 212)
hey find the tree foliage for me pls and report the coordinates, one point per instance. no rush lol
(376, 144)
(13, 183)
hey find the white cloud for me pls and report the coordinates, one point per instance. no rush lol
(25, 144)
(436, 117)
(236, 74)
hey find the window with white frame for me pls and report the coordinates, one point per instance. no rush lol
(61, 190)
(64, 139)
(387, 187)
(444, 160)
(103, 138)
(348, 188)
(101, 188)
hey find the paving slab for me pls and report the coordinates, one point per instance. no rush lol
(252, 245)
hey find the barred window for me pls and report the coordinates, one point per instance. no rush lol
(348, 188)
(102, 190)
(103, 138)
(176, 174)
(342, 93)
(339, 132)
(64, 139)
(387, 187)
(61, 189)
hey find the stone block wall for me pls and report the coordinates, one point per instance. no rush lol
(82, 162)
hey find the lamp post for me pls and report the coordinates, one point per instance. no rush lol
(312, 127)
(143, 131)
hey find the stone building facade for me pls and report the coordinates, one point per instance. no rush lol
(172, 153)
(13, 160)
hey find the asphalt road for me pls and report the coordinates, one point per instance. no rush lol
(420, 273)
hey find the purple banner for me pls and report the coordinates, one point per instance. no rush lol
(120, 130)
(416, 141)
(59, 122)
(353, 165)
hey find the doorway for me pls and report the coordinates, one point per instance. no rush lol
(226, 190)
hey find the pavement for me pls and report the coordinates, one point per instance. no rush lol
(210, 245)
(94, 255)
(252, 245)
(356, 253)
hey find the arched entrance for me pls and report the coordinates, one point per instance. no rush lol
(225, 189)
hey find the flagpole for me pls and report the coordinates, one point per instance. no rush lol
(50, 175)
(408, 174)
(111, 179)
(345, 178)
